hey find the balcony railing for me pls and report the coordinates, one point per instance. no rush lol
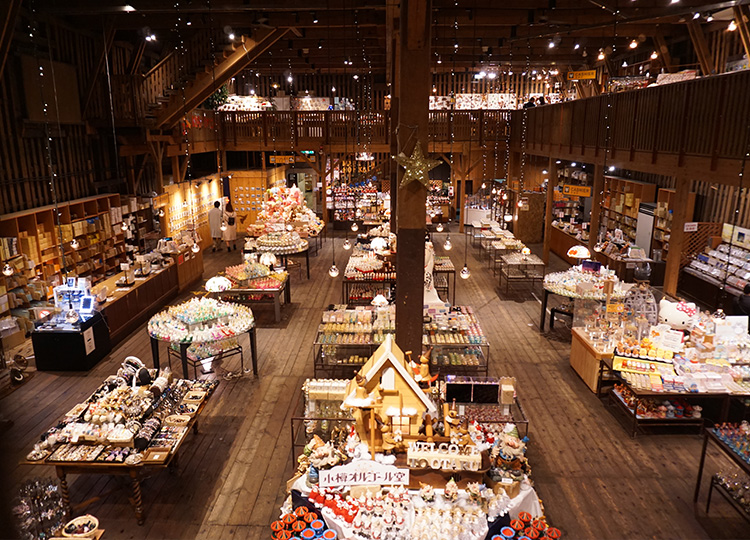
(705, 117)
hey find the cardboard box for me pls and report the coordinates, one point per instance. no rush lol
(13, 340)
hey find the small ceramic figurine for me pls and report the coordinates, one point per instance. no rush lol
(451, 490)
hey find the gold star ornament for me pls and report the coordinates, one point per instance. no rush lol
(417, 166)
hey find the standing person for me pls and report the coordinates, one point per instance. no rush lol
(230, 235)
(214, 223)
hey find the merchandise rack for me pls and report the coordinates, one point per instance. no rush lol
(638, 420)
(709, 435)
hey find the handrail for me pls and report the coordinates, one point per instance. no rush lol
(705, 117)
(158, 64)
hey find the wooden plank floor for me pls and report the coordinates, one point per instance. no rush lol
(595, 481)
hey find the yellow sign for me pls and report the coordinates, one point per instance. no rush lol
(581, 75)
(615, 308)
(576, 191)
(291, 159)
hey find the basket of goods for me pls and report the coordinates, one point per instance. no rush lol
(81, 527)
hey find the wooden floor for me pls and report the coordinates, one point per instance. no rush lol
(595, 481)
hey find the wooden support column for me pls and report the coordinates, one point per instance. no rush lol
(596, 205)
(683, 187)
(701, 48)
(551, 184)
(413, 90)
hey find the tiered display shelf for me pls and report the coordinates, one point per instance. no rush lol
(341, 348)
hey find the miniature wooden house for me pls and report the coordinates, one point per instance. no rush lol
(387, 402)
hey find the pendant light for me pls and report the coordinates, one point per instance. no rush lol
(195, 248)
(439, 227)
(347, 245)
(465, 273)
(7, 270)
(333, 271)
(74, 243)
(447, 245)
(124, 225)
(223, 226)
(355, 227)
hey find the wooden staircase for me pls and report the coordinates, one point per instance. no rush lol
(167, 110)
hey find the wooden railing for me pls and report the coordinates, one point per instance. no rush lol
(706, 117)
(294, 128)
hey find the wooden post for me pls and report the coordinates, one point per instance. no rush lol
(551, 184)
(680, 215)
(596, 205)
(413, 90)
(741, 16)
(701, 48)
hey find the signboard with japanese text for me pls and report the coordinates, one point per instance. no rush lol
(364, 473)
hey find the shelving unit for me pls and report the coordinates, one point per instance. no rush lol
(663, 219)
(621, 202)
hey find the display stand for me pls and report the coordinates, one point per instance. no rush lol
(285, 253)
(76, 349)
(518, 268)
(136, 473)
(709, 435)
(248, 295)
(589, 360)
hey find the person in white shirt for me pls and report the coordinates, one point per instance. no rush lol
(214, 223)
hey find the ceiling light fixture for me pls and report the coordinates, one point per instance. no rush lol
(601, 55)
(633, 44)
(654, 55)
(696, 15)
(315, 18)
(551, 44)
(576, 47)
(732, 26)
(231, 36)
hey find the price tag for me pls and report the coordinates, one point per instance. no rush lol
(690, 226)
(506, 481)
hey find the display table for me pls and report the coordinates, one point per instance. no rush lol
(286, 252)
(520, 268)
(127, 308)
(709, 434)
(250, 295)
(71, 348)
(155, 458)
(560, 242)
(589, 360)
(625, 268)
(217, 328)
(189, 267)
(444, 273)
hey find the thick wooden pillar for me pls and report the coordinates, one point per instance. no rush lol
(413, 91)
(551, 184)
(596, 206)
(683, 187)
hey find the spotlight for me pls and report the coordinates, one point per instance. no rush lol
(347, 245)
(333, 271)
(696, 15)
(558, 162)
(315, 18)
(544, 171)
(624, 63)
(709, 18)
(576, 47)
(127, 8)
(732, 26)
(654, 55)
(447, 245)
(601, 55)
(231, 37)
(573, 164)
(611, 168)
(465, 273)
(551, 44)
(633, 44)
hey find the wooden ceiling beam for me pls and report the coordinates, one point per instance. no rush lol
(741, 19)
(701, 48)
